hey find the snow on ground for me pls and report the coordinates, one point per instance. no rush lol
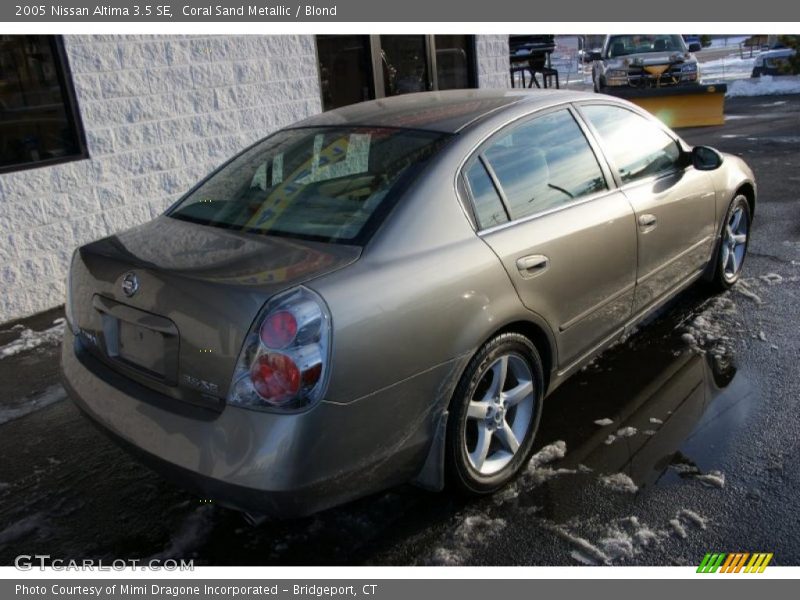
(766, 85)
(745, 288)
(29, 339)
(604, 422)
(621, 433)
(549, 453)
(50, 396)
(656, 421)
(537, 472)
(473, 531)
(619, 482)
(707, 332)
(596, 543)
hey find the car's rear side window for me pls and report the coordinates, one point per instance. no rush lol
(638, 147)
(489, 209)
(544, 163)
(332, 184)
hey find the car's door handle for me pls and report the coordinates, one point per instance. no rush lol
(647, 221)
(532, 265)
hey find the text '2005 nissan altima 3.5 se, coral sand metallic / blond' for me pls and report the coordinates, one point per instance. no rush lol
(386, 292)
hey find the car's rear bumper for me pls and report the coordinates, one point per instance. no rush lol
(282, 465)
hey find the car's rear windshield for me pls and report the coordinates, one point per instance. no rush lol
(330, 184)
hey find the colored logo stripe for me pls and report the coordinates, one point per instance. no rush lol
(734, 562)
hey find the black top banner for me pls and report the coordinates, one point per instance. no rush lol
(745, 12)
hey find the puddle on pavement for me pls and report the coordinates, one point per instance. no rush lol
(674, 411)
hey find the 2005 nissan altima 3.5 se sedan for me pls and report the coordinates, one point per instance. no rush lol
(387, 292)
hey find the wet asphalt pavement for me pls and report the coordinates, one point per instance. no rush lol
(701, 453)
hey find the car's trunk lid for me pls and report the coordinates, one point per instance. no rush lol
(197, 291)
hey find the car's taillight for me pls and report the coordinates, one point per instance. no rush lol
(284, 361)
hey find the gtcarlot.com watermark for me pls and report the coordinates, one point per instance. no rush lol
(28, 562)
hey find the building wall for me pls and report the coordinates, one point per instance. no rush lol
(159, 113)
(492, 55)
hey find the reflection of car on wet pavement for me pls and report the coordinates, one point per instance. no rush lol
(293, 387)
(645, 429)
(644, 61)
(773, 62)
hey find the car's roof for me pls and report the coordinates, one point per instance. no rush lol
(448, 111)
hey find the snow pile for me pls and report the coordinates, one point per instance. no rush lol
(656, 421)
(766, 85)
(621, 433)
(707, 332)
(548, 454)
(50, 396)
(596, 543)
(29, 339)
(727, 68)
(679, 530)
(692, 516)
(745, 288)
(604, 422)
(619, 482)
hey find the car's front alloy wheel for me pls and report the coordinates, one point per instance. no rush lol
(495, 414)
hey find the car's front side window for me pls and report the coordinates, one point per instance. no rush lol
(544, 163)
(638, 147)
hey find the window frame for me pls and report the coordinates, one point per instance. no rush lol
(377, 84)
(612, 184)
(615, 172)
(65, 81)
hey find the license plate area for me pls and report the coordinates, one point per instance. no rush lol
(139, 340)
(141, 347)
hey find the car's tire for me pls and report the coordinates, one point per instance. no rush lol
(494, 415)
(732, 246)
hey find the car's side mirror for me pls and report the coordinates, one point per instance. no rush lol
(695, 47)
(705, 158)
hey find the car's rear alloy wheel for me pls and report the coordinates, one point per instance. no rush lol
(733, 243)
(495, 414)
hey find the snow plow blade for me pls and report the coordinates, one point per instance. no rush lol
(685, 106)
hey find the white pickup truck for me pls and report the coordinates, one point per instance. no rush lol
(644, 61)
